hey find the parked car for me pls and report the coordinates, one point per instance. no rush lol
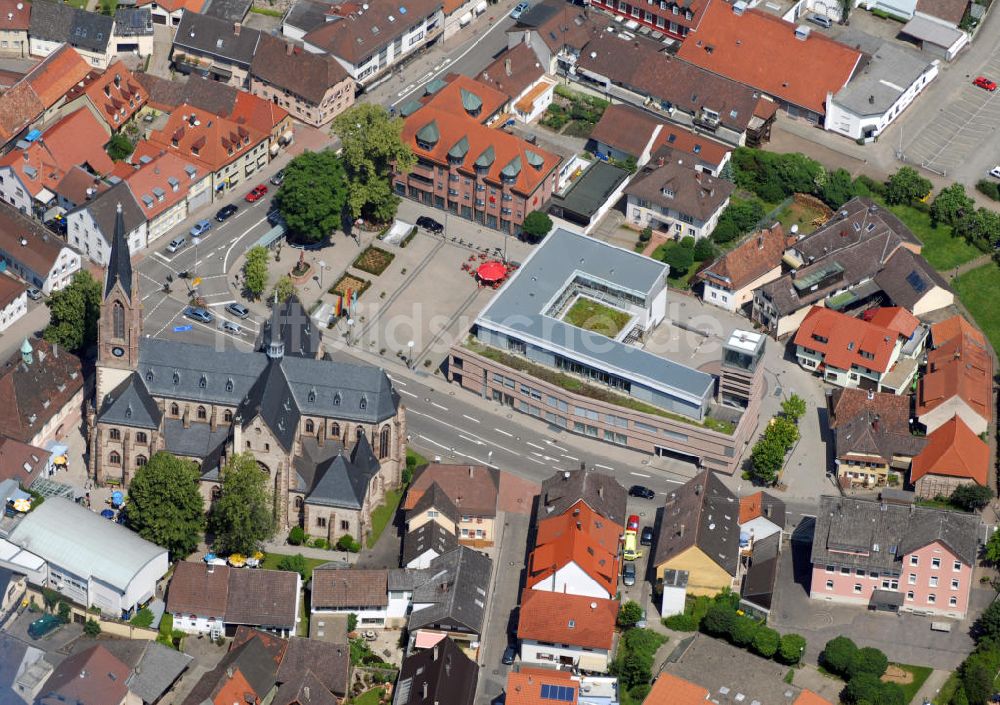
(646, 539)
(640, 491)
(197, 313)
(995, 172)
(628, 574)
(226, 212)
(278, 178)
(34, 294)
(821, 20)
(238, 310)
(508, 656)
(230, 327)
(200, 228)
(274, 217)
(521, 8)
(429, 224)
(43, 625)
(632, 524)
(258, 192)
(983, 82)
(177, 243)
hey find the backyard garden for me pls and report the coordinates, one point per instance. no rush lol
(572, 113)
(597, 317)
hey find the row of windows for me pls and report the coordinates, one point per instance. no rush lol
(911, 579)
(116, 435)
(115, 458)
(910, 595)
(936, 563)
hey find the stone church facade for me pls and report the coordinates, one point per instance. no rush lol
(331, 436)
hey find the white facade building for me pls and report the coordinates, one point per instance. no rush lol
(571, 578)
(90, 227)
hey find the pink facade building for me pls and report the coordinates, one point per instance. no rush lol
(896, 557)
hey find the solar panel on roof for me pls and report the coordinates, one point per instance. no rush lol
(557, 692)
(916, 282)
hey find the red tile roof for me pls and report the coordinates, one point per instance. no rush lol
(842, 339)
(577, 620)
(751, 506)
(31, 395)
(174, 5)
(472, 488)
(19, 12)
(960, 365)
(524, 687)
(170, 175)
(263, 115)
(579, 536)
(236, 689)
(755, 257)
(807, 697)
(625, 128)
(677, 139)
(205, 139)
(668, 688)
(954, 327)
(955, 451)
(116, 94)
(91, 677)
(762, 51)
(59, 72)
(451, 95)
(895, 318)
(17, 457)
(10, 289)
(513, 71)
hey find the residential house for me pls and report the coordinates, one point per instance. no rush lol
(230, 151)
(246, 674)
(329, 662)
(668, 687)
(582, 203)
(761, 515)
(729, 281)
(762, 560)
(76, 187)
(167, 188)
(33, 254)
(676, 20)
(912, 283)
(14, 31)
(896, 557)
(216, 599)
(439, 674)
(367, 41)
(450, 597)
(934, 25)
(114, 96)
(953, 456)
(836, 266)
(425, 543)
(541, 686)
(462, 498)
(314, 88)
(263, 115)
(518, 73)
(23, 670)
(557, 32)
(958, 380)
(797, 67)
(90, 561)
(12, 588)
(133, 31)
(54, 24)
(215, 48)
(91, 226)
(479, 173)
(170, 12)
(576, 553)
(41, 393)
(600, 492)
(365, 593)
(31, 172)
(21, 462)
(871, 436)
(13, 301)
(699, 533)
(567, 630)
(154, 669)
(90, 677)
(848, 351)
(676, 200)
(645, 73)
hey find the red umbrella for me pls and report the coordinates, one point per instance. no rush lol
(492, 271)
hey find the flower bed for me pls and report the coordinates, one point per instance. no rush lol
(374, 260)
(349, 281)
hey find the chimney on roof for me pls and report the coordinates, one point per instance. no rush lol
(871, 100)
(447, 666)
(289, 48)
(600, 491)
(697, 489)
(660, 161)
(506, 66)
(871, 394)
(875, 423)
(305, 693)
(680, 533)
(470, 471)
(229, 672)
(767, 510)
(435, 652)
(425, 690)
(236, 28)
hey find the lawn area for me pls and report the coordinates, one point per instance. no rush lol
(943, 250)
(944, 695)
(919, 673)
(78, 4)
(383, 514)
(369, 697)
(594, 316)
(302, 628)
(802, 215)
(976, 289)
(271, 561)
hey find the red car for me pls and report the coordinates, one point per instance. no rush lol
(257, 193)
(983, 82)
(633, 523)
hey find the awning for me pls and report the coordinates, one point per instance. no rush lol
(492, 271)
(272, 236)
(593, 662)
(425, 640)
(886, 600)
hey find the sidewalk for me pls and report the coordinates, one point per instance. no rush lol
(279, 546)
(931, 687)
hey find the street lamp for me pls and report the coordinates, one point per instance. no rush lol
(409, 354)
(195, 240)
(322, 266)
(350, 322)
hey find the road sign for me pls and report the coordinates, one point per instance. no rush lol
(181, 329)
(196, 281)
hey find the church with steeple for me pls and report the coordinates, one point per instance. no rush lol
(330, 435)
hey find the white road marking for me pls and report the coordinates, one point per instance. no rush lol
(535, 445)
(470, 418)
(161, 256)
(535, 461)
(451, 425)
(225, 261)
(443, 408)
(639, 474)
(470, 440)
(500, 430)
(598, 465)
(565, 455)
(431, 440)
(409, 394)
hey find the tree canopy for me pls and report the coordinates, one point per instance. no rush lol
(837, 654)
(951, 204)
(255, 270)
(372, 147)
(906, 186)
(165, 506)
(793, 408)
(790, 648)
(313, 195)
(837, 189)
(242, 518)
(73, 313)
(971, 497)
(679, 258)
(536, 225)
(284, 288)
(738, 218)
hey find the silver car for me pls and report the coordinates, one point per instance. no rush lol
(230, 327)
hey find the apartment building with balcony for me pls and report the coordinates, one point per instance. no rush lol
(673, 18)
(674, 198)
(215, 48)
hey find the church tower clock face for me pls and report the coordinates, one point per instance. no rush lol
(117, 351)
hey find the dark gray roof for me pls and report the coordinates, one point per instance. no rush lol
(601, 492)
(692, 192)
(307, 15)
(12, 653)
(57, 22)
(131, 405)
(299, 335)
(6, 576)
(253, 661)
(589, 192)
(104, 211)
(305, 689)
(448, 674)
(869, 534)
(201, 92)
(429, 536)
(519, 309)
(866, 433)
(197, 441)
(906, 278)
(330, 662)
(216, 37)
(343, 482)
(133, 22)
(272, 400)
(154, 667)
(456, 591)
(228, 10)
(704, 513)
(758, 582)
(435, 498)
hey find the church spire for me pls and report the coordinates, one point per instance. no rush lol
(120, 260)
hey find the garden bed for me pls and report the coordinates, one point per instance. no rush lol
(596, 317)
(352, 283)
(374, 260)
(572, 113)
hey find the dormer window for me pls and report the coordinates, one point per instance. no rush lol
(149, 376)
(229, 384)
(177, 378)
(336, 399)
(312, 396)
(668, 192)
(364, 403)
(203, 382)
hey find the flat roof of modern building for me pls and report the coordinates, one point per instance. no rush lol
(745, 340)
(587, 194)
(520, 309)
(888, 74)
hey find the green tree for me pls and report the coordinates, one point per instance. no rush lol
(352, 622)
(143, 618)
(633, 669)
(64, 612)
(867, 660)
(980, 228)
(738, 218)
(765, 642)
(630, 613)
(793, 408)
(73, 313)
(119, 147)
(295, 564)
(837, 189)
(284, 288)
(242, 518)
(977, 681)
(837, 655)
(718, 620)
(313, 195)
(255, 270)
(971, 497)
(372, 146)
(91, 628)
(865, 689)
(790, 648)
(991, 552)
(297, 536)
(704, 249)
(959, 698)
(348, 543)
(536, 226)
(744, 631)
(951, 204)
(165, 506)
(679, 258)
(766, 460)
(783, 430)
(988, 624)
(906, 186)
